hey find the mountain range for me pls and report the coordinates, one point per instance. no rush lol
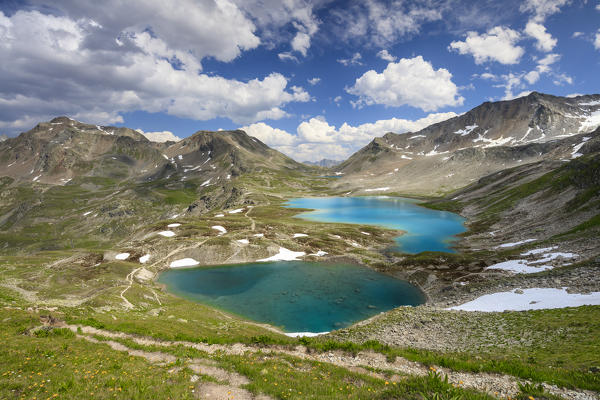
(491, 137)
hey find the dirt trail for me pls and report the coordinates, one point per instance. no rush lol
(229, 385)
(495, 384)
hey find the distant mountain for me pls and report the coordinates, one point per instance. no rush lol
(325, 163)
(491, 137)
(60, 150)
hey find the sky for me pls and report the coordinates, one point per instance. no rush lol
(312, 78)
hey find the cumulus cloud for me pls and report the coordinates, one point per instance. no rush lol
(301, 42)
(271, 136)
(541, 9)
(216, 28)
(316, 139)
(160, 137)
(314, 81)
(498, 44)
(386, 56)
(597, 40)
(410, 81)
(545, 41)
(54, 65)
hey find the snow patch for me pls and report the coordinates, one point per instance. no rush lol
(284, 255)
(529, 299)
(319, 253)
(239, 210)
(184, 262)
(144, 259)
(219, 228)
(243, 241)
(377, 189)
(505, 245)
(519, 267)
(167, 233)
(468, 129)
(173, 225)
(297, 235)
(219, 215)
(122, 256)
(305, 334)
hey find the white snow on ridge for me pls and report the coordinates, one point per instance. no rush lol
(530, 299)
(505, 245)
(167, 233)
(592, 121)
(206, 182)
(468, 129)
(184, 262)
(590, 103)
(122, 256)
(219, 228)
(416, 136)
(284, 255)
(173, 225)
(377, 189)
(297, 235)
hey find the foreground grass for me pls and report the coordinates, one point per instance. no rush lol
(54, 364)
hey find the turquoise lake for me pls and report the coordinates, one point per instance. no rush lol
(296, 296)
(426, 230)
(302, 296)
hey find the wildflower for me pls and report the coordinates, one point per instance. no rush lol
(387, 383)
(531, 398)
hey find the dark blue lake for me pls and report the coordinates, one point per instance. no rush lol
(294, 295)
(426, 230)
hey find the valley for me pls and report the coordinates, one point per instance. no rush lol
(91, 215)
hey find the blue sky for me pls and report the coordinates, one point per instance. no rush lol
(314, 79)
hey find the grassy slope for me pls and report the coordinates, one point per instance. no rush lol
(565, 364)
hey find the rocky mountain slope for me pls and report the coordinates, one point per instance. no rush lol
(494, 136)
(55, 152)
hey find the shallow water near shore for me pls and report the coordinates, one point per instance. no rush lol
(296, 296)
(426, 229)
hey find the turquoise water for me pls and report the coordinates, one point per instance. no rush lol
(426, 230)
(294, 295)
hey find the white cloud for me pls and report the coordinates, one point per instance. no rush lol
(55, 65)
(513, 81)
(532, 77)
(301, 43)
(216, 28)
(316, 139)
(382, 23)
(545, 41)
(314, 81)
(160, 137)
(287, 56)
(337, 99)
(487, 75)
(577, 34)
(276, 18)
(385, 55)
(354, 60)
(597, 40)
(410, 81)
(541, 9)
(271, 136)
(498, 44)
